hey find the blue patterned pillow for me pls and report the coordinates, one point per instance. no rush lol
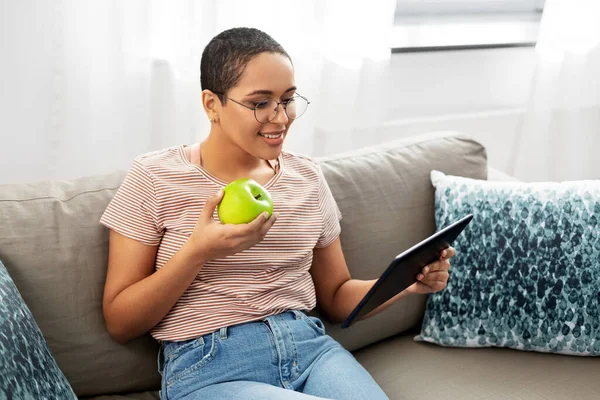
(527, 270)
(27, 368)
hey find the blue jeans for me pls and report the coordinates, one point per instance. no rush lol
(284, 356)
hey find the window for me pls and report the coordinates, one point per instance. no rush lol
(462, 7)
(422, 25)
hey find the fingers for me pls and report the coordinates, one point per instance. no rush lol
(435, 280)
(441, 276)
(434, 277)
(269, 224)
(448, 253)
(211, 204)
(257, 223)
(432, 287)
(434, 269)
(259, 226)
(442, 265)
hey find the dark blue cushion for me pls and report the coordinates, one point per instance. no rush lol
(27, 368)
(527, 270)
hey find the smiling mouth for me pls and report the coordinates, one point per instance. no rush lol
(272, 135)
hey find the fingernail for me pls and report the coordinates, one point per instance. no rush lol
(444, 253)
(420, 276)
(425, 270)
(265, 215)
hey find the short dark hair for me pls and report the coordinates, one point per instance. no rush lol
(225, 57)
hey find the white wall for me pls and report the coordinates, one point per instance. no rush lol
(480, 92)
(483, 93)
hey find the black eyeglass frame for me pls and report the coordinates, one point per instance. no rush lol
(283, 104)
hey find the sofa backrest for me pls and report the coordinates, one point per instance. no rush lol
(387, 202)
(56, 251)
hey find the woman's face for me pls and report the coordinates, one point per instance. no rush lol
(268, 76)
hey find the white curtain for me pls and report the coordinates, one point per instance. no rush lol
(89, 84)
(559, 135)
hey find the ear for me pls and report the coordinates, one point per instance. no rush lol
(212, 105)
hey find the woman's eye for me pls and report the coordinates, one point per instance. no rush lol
(261, 104)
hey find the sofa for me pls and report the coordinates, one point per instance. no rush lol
(56, 253)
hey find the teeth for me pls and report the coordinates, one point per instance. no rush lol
(271, 136)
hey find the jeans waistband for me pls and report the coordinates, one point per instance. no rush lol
(168, 347)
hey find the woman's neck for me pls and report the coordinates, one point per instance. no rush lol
(226, 160)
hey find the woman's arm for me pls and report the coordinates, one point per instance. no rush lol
(338, 294)
(136, 298)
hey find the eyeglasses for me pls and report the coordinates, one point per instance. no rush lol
(267, 110)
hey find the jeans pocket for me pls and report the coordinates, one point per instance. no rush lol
(173, 349)
(189, 358)
(315, 323)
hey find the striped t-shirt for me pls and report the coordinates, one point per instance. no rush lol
(159, 203)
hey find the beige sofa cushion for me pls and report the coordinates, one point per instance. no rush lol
(386, 198)
(409, 370)
(56, 252)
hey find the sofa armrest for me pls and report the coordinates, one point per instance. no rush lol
(496, 175)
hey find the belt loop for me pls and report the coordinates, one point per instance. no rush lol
(160, 361)
(297, 313)
(223, 333)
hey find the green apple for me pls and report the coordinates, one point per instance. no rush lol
(244, 200)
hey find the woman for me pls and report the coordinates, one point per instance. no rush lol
(228, 302)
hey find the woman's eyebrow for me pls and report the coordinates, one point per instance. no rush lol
(269, 92)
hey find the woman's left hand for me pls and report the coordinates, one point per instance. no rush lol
(434, 277)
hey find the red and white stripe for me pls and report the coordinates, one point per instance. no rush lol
(159, 203)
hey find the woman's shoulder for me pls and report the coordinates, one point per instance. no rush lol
(165, 166)
(301, 163)
(158, 156)
(159, 161)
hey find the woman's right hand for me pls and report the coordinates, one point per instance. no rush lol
(215, 240)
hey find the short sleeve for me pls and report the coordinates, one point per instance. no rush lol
(330, 213)
(133, 210)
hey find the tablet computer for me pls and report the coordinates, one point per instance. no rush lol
(403, 270)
